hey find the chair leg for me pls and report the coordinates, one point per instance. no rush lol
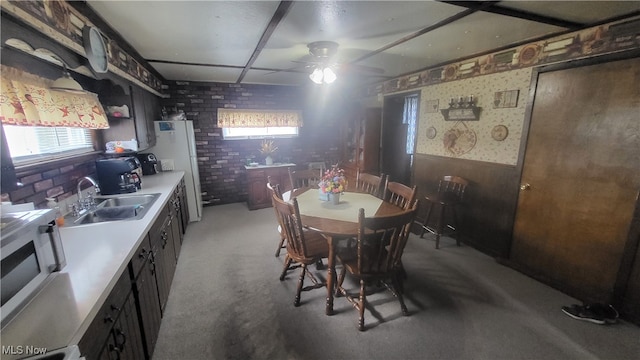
(280, 246)
(426, 219)
(296, 302)
(343, 272)
(287, 263)
(361, 303)
(439, 227)
(398, 290)
(455, 224)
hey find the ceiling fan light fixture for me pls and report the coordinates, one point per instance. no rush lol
(317, 76)
(328, 75)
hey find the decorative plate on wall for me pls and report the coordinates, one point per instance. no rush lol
(459, 141)
(431, 132)
(499, 132)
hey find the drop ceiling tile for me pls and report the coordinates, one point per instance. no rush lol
(197, 73)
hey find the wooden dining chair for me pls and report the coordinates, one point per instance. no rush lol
(303, 247)
(305, 178)
(449, 196)
(399, 194)
(377, 259)
(274, 189)
(370, 183)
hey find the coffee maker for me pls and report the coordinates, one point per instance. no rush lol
(149, 163)
(119, 175)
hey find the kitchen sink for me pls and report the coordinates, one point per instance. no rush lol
(114, 208)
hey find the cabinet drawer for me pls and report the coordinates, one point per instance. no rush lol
(140, 257)
(256, 174)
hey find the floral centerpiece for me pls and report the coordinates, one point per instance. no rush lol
(333, 183)
(267, 148)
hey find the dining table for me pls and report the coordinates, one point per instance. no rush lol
(337, 222)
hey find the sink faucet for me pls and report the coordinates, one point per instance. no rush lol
(88, 202)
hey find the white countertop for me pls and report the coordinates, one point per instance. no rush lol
(97, 255)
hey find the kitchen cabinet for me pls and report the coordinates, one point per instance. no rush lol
(361, 149)
(258, 196)
(145, 290)
(175, 223)
(115, 332)
(143, 109)
(183, 209)
(161, 237)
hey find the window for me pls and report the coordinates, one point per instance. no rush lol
(238, 133)
(34, 143)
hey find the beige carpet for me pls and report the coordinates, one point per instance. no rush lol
(226, 302)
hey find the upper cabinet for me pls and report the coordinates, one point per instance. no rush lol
(362, 143)
(131, 112)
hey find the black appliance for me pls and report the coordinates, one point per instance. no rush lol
(119, 175)
(149, 163)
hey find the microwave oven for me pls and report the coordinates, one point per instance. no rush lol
(32, 253)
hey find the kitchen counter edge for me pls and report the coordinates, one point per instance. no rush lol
(97, 255)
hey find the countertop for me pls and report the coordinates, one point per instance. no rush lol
(97, 255)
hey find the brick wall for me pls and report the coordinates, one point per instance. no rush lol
(55, 179)
(221, 162)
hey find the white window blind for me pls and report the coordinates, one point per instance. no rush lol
(239, 133)
(34, 143)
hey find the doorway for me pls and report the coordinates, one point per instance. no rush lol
(399, 124)
(580, 180)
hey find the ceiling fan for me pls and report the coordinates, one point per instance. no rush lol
(324, 68)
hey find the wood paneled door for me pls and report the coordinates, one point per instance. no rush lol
(580, 179)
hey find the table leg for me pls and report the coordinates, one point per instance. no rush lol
(331, 276)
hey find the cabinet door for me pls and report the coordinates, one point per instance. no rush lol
(139, 113)
(164, 260)
(184, 208)
(152, 113)
(126, 332)
(176, 232)
(146, 293)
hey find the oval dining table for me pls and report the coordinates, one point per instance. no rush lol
(336, 222)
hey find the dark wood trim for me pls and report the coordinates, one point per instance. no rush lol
(222, 66)
(525, 15)
(279, 14)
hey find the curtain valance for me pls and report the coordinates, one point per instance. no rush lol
(26, 100)
(233, 118)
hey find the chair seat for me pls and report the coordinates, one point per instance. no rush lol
(317, 247)
(443, 199)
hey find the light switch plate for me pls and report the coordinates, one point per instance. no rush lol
(167, 164)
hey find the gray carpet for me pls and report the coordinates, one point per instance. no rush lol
(226, 302)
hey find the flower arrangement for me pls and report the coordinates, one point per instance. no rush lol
(333, 181)
(267, 147)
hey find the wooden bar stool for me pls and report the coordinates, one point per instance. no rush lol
(450, 194)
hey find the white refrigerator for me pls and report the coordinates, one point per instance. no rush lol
(176, 150)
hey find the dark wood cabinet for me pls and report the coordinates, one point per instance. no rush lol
(143, 109)
(258, 196)
(164, 255)
(127, 324)
(361, 137)
(146, 295)
(115, 332)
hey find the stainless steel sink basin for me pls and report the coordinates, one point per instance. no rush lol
(114, 208)
(126, 200)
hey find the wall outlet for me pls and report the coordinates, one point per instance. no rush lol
(167, 164)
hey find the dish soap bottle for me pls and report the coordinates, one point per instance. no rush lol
(52, 204)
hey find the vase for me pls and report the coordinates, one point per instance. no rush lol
(268, 160)
(335, 198)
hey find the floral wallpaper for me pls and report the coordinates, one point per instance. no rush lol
(474, 140)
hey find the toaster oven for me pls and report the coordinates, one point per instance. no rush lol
(32, 253)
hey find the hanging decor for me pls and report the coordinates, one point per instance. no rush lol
(234, 118)
(27, 100)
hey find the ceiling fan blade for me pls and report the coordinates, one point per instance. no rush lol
(362, 68)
